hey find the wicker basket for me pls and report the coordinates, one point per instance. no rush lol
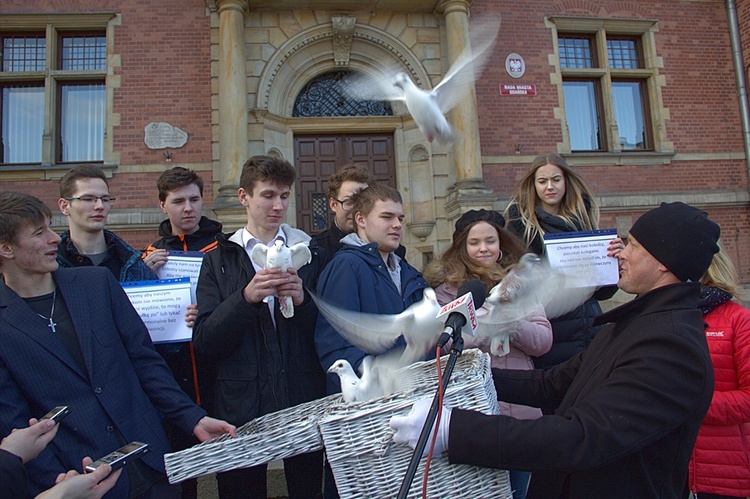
(274, 436)
(365, 461)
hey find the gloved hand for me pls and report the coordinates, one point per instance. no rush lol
(409, 427)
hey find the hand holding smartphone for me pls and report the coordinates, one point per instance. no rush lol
(57, 414)
(120, 457)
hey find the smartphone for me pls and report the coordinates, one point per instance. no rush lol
(57, 414)
(120, 457)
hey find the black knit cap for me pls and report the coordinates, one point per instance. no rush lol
(473, 216)
(681, 237)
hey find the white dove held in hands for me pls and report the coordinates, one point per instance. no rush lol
(280, 256)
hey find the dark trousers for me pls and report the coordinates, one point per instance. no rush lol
(304, 479)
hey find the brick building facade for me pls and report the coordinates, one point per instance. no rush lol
(229, 73)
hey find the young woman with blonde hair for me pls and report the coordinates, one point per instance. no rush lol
(552, 198)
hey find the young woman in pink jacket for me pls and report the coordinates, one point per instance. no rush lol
(720, 465)
(482, 249)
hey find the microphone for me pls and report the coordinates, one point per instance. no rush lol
(461, 312)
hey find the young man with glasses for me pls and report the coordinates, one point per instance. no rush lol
(341, 186)
(85, 201)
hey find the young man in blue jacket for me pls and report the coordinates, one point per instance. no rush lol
(366, 275)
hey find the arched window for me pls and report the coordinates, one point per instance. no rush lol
(324, 95)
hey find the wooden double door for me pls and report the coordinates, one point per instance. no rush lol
(317, 157)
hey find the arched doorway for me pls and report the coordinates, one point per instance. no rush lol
(317, 156)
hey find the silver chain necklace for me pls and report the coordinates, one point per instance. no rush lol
(52, 324)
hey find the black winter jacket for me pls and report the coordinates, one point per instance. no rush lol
(203, 239)
(627, 410)
(259, 368)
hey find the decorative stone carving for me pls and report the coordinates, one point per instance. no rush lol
(421, 229)
(162, 135)
(343, 30)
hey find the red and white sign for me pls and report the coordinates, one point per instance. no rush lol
(517, 89)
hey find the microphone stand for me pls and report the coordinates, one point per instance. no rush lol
(456, 349)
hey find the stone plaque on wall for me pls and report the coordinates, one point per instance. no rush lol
(161, 135)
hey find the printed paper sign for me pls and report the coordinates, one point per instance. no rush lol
(183, 264)
(583, 254)
(162, 306)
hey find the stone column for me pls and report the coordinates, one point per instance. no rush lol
(233, 110)
(469, 191)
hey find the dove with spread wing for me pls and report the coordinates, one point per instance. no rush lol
(532, 282)
(377, 334)
(428, 107)
(281, 256)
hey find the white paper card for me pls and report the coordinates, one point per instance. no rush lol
(183, 264)
(583, 254)
(162, 306)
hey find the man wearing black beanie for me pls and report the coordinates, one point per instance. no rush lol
(627, 410)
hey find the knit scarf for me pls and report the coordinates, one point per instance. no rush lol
(552, 224)
(712, 297)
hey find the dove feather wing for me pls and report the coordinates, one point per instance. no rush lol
(375, 85)
(531, 282)
(469, 65)
(372, 333)
(259, 255)
(300, 255)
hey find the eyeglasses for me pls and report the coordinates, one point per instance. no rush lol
(346, 204)
(93, 199)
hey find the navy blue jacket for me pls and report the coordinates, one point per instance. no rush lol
(128, 387)
(122, 260)
(357, 279)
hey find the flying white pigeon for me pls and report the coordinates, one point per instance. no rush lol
(281, 256)
(428, 108)
(530, 283)
(377, 334)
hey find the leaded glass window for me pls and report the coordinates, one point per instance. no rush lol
(325, 95)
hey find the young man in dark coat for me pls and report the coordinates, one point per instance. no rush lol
(85, 201)
(185, 229)
(264, 361)
(366, 275)
(627, 410)
(71, 337)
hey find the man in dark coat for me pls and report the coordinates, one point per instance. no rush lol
(263, 360)
(627, 410)
(185, 229)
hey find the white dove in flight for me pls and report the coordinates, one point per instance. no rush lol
(281, 256)
(376, 334)
(428, 108)
(530, 283)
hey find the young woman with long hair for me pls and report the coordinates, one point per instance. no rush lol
(482, 249)
(552, 198)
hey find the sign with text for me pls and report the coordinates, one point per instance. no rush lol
(517, 89)
(583, 254)
(162, 306)
(183, 264)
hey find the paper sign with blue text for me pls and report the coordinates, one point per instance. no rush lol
(162, 306)
(583, 254)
